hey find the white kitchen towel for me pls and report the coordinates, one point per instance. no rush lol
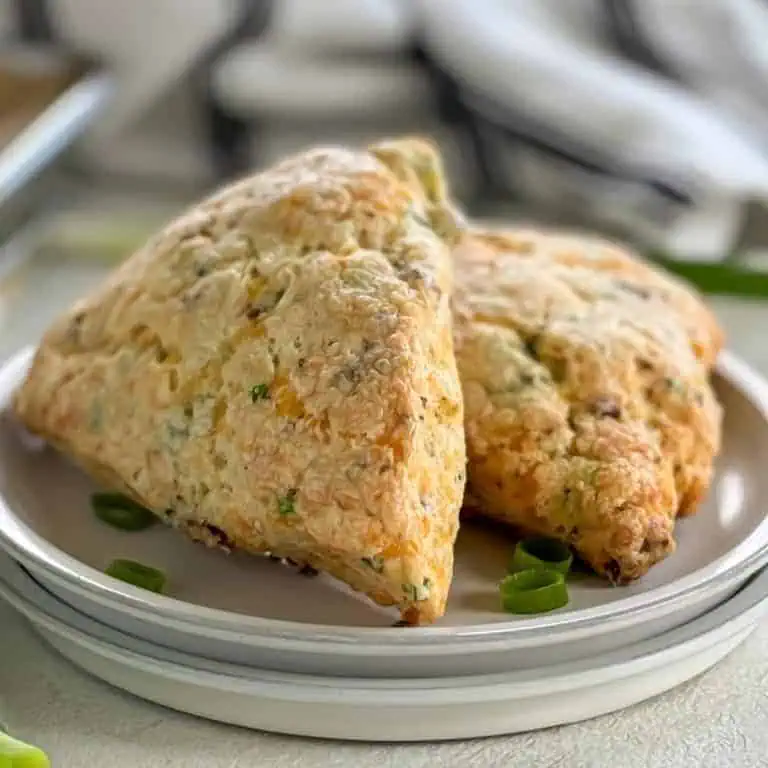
(148, 44)
(718, 49)
(575, 109)
(263, 79)
(313, 27)
(279, 138)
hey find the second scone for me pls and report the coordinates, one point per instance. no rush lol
(589, 415)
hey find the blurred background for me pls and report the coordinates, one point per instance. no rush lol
(645, 120)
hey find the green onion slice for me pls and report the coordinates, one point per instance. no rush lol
(137, 574)
(121, 512)
(17, 754)
(533, 591)
(541, 552)
(718, 277)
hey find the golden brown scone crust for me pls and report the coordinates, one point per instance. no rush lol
(589, 415)
(274, 372)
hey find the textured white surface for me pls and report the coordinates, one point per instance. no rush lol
(717, 721)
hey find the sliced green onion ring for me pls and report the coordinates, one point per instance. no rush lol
(536, 590)
(143, 576)
(541, 552)
(15, 753)
(121, 512)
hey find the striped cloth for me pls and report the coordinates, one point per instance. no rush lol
(647, 117)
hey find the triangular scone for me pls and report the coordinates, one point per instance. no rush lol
(274, 372)
(589, 415)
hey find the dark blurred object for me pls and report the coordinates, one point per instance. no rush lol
(229, 135)
(33, 19)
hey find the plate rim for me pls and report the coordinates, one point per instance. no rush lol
(739, 613)
(25, 544)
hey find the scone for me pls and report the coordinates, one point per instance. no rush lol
(274, 372)
(589, 415)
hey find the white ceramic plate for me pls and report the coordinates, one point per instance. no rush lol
(389, 710)
(250, 610)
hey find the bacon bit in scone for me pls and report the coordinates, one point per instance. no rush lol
(613, 571)
(221, 537)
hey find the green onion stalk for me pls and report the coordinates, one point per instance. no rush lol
(19, 754)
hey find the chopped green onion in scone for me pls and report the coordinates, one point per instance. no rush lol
(259, 392)
(541, 552)
(286, 505)
(121, 512)
(536, 590)
(418, 592)
(17, 754)
(143, 576)
(374, 562)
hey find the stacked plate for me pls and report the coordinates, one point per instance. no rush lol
(252, 642)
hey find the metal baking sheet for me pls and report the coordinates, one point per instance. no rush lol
(48, 98)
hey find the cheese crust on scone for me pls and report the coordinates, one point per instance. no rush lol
(589, 413)
(274, 372)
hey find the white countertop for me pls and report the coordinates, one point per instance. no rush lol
(718, 720)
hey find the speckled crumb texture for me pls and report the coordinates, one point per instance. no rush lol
(274, 372)
(589, 413)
